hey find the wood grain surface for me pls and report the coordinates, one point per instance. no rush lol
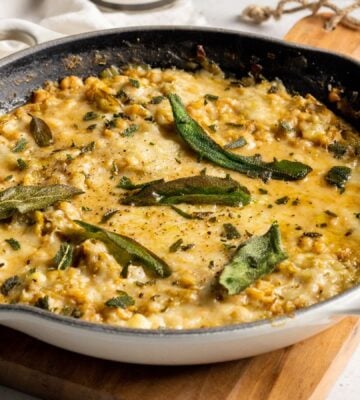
(304, 371)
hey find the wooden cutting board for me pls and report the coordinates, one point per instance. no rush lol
(304, 371)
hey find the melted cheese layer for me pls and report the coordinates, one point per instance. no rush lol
(274, 124)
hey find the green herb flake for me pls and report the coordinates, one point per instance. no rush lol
(230, 232)
(22, 165)
(312, 234)
(338, 176)
(176, 246)
(125, 250)
(129, 131)
(157, 99)
(8, 178)
(109, 72)
(134, 82)
(254, 258)
(90, 115)
(87, 148)
(210, 97)
(234, 125)
(357, 215)
(108, 214)
(253, 166)
(331, 214)
(14, 244)
(9, 284)
(123, 300)
(282, 200)
(43, 303)
(338, 149)
(213, 127)
(20, 145)
(123, 96)
(91, 127)
(236, 144)
(41, 132)
(64, 257)
(263, 191)
(127, 184)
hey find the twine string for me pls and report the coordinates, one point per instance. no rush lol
(258, 14)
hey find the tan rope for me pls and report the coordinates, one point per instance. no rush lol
(259, 14)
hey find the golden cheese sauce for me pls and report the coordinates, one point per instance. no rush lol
(131, 134)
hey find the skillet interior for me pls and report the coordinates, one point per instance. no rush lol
(301, 69)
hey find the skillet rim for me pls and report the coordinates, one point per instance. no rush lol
(155, 333)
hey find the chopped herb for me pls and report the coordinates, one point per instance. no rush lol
(14, 244)
(110, 123)
(90, 115)
(157, 99)
(43, 303)
(125, 249)
(109, 72)
(69, 157)
(187, 247)
(312, 234)
(84, 208)
(134, 82)
(295, 202)
(8, 178)
(87, 148)
(21, 164)
(41, 132)
(108, 215)
(213, 127)
(338, 176)
(210, 97)
(254, 258)
(9, 284)
(126, 183)
(338, 149)
(130, 130)
(357, 215)
(123, 96)
(114, 168)
(176, 246)
(230, 232)
(285, 126)
(263, 191)
(123, 300)
(273, 89)
(282, 200)
(349, 232)
(91, 127)
(194, 215)
(20, 145)
(330, 214)
(194, 135)
(64, 257)
(234, 125)
(236, 144)
(200, 189)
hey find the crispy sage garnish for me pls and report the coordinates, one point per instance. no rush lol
(64, 257)
(9, 284)
(30, 198)
(338, 176)
(41, 132)
(253, 166)
(200, 189)
(127, 184)
(123, 300)
(254, 258)
(125, 250)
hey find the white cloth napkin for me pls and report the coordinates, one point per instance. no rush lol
(57, 18)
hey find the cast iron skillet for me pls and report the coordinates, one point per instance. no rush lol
(302, 69)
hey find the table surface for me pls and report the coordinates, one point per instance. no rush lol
(225, 14)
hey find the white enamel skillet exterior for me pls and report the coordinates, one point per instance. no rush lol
(177, 347)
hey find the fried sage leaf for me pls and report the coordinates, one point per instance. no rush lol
(194, 135)
(200, 189)
(29, 198)
(64, 257)
(254, 258)
(126, 250)
(127, 184)
(338, 176)
(41, 132)
(123, 300)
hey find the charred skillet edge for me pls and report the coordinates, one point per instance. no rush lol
(302, 69)
(275, 323)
